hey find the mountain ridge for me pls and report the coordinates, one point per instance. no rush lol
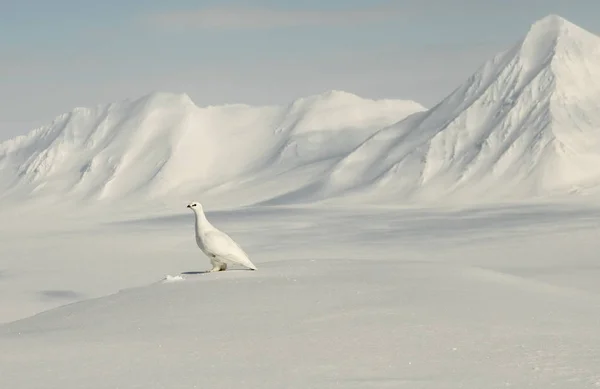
(163, 142)
(524, 125)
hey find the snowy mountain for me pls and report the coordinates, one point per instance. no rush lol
(163, 144)
(527, 123)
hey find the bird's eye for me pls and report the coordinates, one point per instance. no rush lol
(193, 205)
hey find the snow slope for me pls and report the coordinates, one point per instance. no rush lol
(526, 124)
(164, 144)
(350, 298)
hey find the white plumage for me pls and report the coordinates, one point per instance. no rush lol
(217, 245)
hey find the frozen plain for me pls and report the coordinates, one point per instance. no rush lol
(492, 297)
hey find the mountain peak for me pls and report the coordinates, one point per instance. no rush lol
(554, 28)
(552, 22)
(554, 37)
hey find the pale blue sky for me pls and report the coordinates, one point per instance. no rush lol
(56, 55)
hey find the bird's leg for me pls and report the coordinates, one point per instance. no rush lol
(216, 265)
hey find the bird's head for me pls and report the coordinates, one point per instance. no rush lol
(195, 206)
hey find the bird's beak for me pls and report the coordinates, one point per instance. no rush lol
(188, 206)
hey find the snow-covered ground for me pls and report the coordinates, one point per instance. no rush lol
(492, 297)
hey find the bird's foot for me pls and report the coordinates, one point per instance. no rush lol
(219, 267)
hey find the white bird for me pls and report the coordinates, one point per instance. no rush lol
(217, 245)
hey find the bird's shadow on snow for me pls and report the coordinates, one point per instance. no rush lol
(208, 271)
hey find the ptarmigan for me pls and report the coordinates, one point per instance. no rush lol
(217, 245)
